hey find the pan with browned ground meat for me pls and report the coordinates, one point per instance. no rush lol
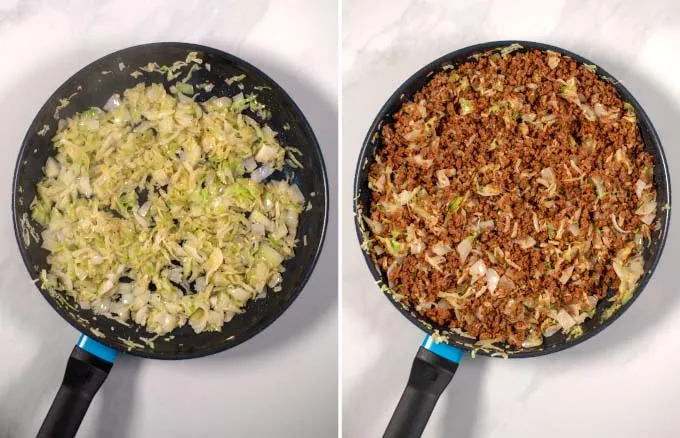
(512, 200)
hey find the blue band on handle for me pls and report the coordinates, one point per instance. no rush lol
(95, 348)
(444, 350)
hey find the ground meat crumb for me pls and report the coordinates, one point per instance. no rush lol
(505, 191)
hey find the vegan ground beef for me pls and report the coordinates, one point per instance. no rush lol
(509, 195)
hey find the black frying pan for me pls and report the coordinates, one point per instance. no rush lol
(435, 362)
(92, 86)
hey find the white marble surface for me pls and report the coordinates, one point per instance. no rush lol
(622, 383)
(283, 382)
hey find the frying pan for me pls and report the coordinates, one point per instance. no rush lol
(102, 338)
(437, 359)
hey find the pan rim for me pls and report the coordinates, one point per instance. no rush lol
(264, 322)
(468, 51)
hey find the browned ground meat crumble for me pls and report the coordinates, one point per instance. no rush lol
(534, 160)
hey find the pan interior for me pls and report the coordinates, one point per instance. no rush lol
(92, 87)
(559, 341)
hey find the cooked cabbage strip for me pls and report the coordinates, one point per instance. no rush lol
(152, 211)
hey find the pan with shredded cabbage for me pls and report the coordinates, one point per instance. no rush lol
(166, 188)
(160, 210)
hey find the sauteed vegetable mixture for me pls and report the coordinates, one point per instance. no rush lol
(158, 209)
(509, 195)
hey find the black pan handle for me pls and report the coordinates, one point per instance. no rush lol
(87, 368)
(432, 370)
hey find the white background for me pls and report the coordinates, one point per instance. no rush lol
(622, 383)
(283, 382)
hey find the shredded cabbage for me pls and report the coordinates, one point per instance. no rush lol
(149, 214)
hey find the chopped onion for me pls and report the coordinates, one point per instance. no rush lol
(442, 179)
(535, 220)
(464, 248)
(142, 315)
(275, 279)
(640, 186)
(648, 219)
(533, 341)
(564, 319)
(477, 270)
(440, 249)
(527, 242)
(404, 197)
(492, 279)
(510, 306)
(258, 229)
(551, 330)
(420, 161)
(621, 157)
(547, 178)
(648, 207)
(574, 230)
(506, 283)
(425, 305)
(580, 317)
(269, 132)
(413, 135)
(600, 110)
(417, 247)
(140, 220)
(261, 173)
(379, 184)
(102, 305)
(84, 186)
(266, 154)
(588, 112)
(488, 190)
(52, 168)
(144, 209)
(616, 225)
(291, 219)
(199, 320)
(390, 270)
(422, 110)
(511, 263)
(200, 283)
(375, 226)
(295, 194)
(566, 275)
(174, 274)
(105, 287)
(487, 225)
(629, 273)
(435, 262)
(113, 102)
(599, 187)
(250, 164)
(119, 309)
(515, 227)
(553, 60)
(126, 299)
